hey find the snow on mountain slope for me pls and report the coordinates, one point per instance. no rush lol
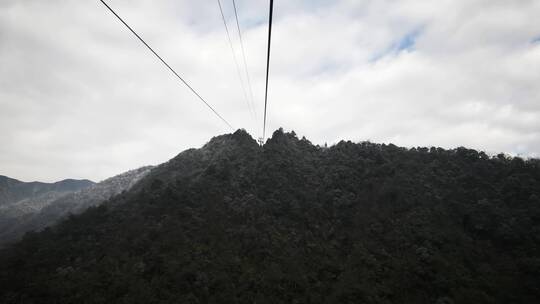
(38, 212)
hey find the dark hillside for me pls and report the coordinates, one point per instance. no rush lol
(296, 223)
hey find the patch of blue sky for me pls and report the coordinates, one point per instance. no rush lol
(405, 43)
(408, 41)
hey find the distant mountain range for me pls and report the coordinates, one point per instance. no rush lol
(31, 206)
(15, 192)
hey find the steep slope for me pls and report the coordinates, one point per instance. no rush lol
(78, 201)
(290, 222)
(45, 209)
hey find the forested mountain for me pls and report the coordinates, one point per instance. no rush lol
(291, 222)
(41, 208)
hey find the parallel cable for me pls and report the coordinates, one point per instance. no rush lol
(238, 70)
(168, 66)
(244, 55)
(267, 65)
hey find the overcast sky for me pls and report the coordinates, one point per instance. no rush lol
(80, 97)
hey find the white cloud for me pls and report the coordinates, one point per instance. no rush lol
(80, 97)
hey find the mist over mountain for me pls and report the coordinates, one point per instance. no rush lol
(13, 191)
(19, 200)
(34, 206)
(290, 222)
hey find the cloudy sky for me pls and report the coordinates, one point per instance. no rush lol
(81, 98)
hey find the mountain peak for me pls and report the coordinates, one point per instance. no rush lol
(239, 138)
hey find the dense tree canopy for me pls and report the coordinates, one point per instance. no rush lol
(291, 222)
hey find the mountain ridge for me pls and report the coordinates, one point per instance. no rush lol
(36, 212)
(290, 222)
(5, 178)
(13, 190)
